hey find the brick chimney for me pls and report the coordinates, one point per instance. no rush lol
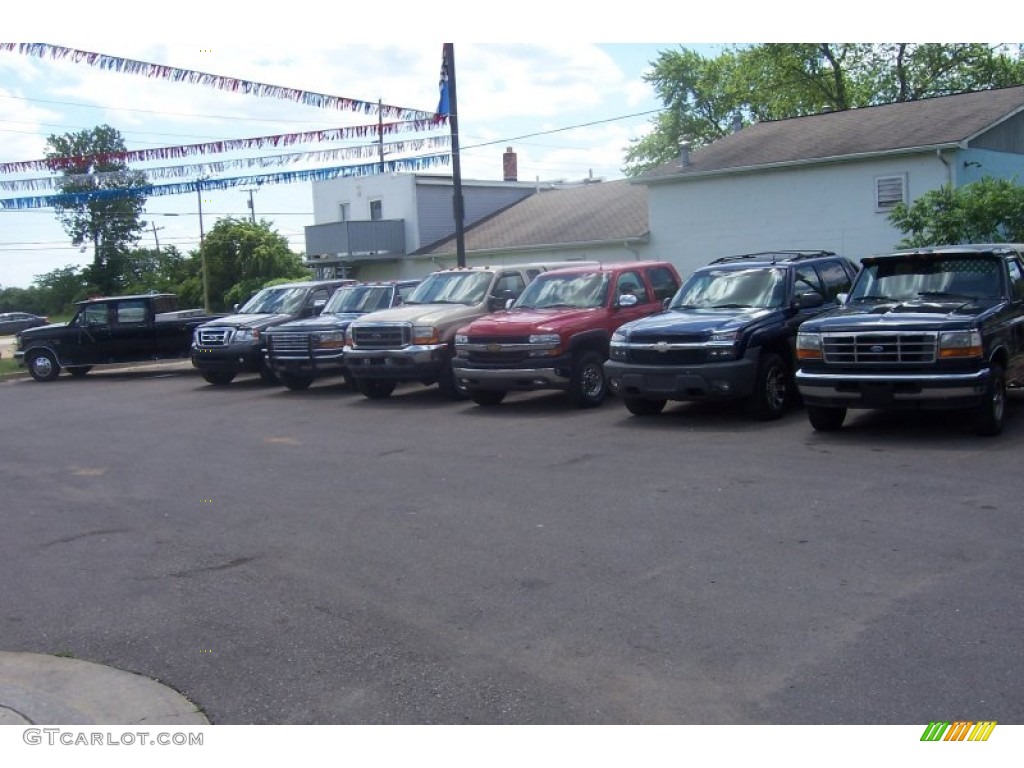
(509, 165)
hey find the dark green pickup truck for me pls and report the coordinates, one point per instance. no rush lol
(109, 330)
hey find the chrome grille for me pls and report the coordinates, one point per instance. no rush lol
(381, 336)
(288, 342)
(904, 348)
(215, 337)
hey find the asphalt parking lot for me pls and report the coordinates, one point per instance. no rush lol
(315, 557)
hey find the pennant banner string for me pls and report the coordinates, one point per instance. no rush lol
(235, 85)
(208, 169)
(284, 177)
(216, 147)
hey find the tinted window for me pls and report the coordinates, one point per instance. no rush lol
(1016, 279)
(129, 312)
(94, 314)
(806, 280)
(835, 278)
(509, 285)
(663, 282)
(631, 284)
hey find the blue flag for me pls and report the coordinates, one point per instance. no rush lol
(444, 105)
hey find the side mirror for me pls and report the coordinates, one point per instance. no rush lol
(234, 307)
(509, 303)
(318, 306)
(665, 302)
(628, 300)
(841, 298)
(809, 300)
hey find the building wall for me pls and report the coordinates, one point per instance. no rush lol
(395, 191)
(826, 206)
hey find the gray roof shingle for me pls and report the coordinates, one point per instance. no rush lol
(606, 211)
(927, 123)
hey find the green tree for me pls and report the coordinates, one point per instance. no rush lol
(109, 219)
(703, 96)
(60, 288)
(242, 256)
(987, 211)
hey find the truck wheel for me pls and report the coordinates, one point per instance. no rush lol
(641, 406)
(988, 421)
(219, 378)
(375, 389)
(825, 419)
(350, 380)
(296, 382)
(78, 371)
(487, 396)
(43, 366)
(449, 385)
(268, 377)
(587, 385)
(770, 388)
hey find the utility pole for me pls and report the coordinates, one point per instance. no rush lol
(155, 228)
(458, 206)
(202, 252)
(380, 133)
(252, 208)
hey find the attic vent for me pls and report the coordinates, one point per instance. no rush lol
(890, 190)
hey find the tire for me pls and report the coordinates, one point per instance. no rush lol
(43, 365)
(219, 378)
(268, 377)
(825, 419)
(487, 396)
(771, 389)
(78, 371)
(588, 386)
(991, 414)
(294, 382)
(448, 385)
(640, 406)
(375, 389)
(350, 380)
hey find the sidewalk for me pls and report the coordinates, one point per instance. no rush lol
(36, 689)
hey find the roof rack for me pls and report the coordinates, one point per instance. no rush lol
(775, 256)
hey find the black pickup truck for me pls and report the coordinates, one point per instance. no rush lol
(113, 329)
(929, 328)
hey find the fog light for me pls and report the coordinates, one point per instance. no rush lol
(613, 385)
(720, 386)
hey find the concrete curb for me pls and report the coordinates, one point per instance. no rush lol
(37, 689)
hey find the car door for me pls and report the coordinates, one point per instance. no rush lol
(1015, 367)
(630, 282)
(132, 336)
(94, 339)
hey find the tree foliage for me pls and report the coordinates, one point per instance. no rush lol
(108, 222)
(703, 96)
(241, 256)
(987, 211)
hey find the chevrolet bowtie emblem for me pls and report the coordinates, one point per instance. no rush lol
(494, 347)
(661, 346)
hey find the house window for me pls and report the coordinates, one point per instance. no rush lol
(343, 212)
(890, 190)
(376, 210)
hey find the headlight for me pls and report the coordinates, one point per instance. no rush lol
(349, 341)
(461, 338)
(329, 340)
(425, 334)
(959, 344)
(728, 337)
(808, 346)
(544, 338)
(619, 337)
(246, 334)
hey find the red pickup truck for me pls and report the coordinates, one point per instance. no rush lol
(556, 334)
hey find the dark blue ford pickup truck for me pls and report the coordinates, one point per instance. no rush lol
(929, 328)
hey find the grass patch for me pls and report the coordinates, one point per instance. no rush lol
(9, 366)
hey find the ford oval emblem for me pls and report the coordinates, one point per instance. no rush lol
(877, 348)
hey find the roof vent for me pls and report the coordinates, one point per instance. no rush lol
(684, 152)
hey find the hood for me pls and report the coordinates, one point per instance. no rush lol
(519, 322)
(249, 321)
(901, 314)
(40, 329)
(425, 314)
(329, 322)
(697, 321)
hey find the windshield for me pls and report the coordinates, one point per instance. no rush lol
(727, 288)
(452, 288)
(272, 301)
(358, 298)
(929, 278)
(578, 291)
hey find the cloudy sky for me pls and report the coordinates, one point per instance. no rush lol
(569, 109)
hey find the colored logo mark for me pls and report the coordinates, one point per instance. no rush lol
(959, 730)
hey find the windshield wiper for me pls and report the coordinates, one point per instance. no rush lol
(873, 298)
(947, 295)
(731, 306)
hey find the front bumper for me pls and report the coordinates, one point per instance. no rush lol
(413, 363)
(555, 375)
(239, 358)
(894, 390)
(306, 365)
(707, 381)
